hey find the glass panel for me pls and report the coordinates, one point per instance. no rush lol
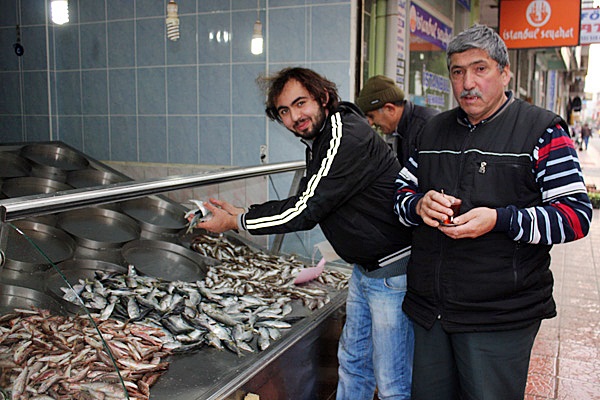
(428, 78)
(442, 6)
(50, 346)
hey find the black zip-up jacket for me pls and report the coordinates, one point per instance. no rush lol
(348, 190)
(491, 282)
(410, 126)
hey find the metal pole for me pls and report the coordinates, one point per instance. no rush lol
(22, 207)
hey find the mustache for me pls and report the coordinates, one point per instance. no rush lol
(472, 92)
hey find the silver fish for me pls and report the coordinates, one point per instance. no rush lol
(200, 215)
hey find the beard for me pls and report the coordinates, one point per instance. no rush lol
(317, 123)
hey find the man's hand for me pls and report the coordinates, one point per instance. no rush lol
(224, 216)
(435, 207)
(472, 224)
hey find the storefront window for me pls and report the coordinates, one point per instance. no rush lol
(428, 73)
(443, 6)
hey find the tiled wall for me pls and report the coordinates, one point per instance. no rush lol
(110, 84)
(119, 90)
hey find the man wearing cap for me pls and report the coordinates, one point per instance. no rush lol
(399, 120)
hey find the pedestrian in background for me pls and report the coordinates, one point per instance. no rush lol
(349, 191)
(399, 119)
(479, 282)
(586, 134)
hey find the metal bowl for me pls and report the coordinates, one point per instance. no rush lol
(54, 155)
(155, 214)
(74, 270)
(112, 256)
(84, 178)
(29, 185)
(166, 260)
(43, 245)
(52, 161)
(13, 296)
(47, 219)
(13, 166)
(99, 228)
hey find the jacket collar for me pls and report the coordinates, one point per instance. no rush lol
(463, 119)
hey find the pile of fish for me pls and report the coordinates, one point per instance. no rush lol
(189, 314)
(44, 356)
(248, 271)
(241, 305)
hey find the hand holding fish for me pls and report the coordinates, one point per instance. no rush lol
(224, 216)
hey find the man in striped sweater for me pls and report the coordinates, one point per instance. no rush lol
(479, 279)
(348, 190)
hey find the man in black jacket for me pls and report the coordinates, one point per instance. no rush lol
(399, 120)
(348, 190)
(479, 278)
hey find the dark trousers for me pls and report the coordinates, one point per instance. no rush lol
(471, 366)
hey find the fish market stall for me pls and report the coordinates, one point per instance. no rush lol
(152, 311)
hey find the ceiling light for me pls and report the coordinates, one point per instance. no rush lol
(59, 10)
(256, 47)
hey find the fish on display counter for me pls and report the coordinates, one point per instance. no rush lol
(45, 356)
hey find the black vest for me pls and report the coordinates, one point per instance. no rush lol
(491, 282)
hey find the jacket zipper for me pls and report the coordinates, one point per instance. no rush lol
(516, 267)
(438, 284)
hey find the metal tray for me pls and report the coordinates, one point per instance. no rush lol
(53, 155)
(74, 270)
(52, 243)
(166, 260)
(113, 256)
(155, 214)
(47, 219)
(13, 166)
(13, 296)
(99, 228)
(29, 185)
(84, 178)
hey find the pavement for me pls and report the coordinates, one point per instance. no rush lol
(565, 360)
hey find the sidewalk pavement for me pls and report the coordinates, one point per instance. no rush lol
(565, 361)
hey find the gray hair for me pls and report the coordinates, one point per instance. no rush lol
(479, 37)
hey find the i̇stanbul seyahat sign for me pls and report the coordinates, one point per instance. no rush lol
(539, 23)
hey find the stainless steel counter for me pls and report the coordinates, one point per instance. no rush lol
(300, 365)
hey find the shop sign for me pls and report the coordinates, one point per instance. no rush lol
(429, 28)
(465, 3)
(435, 84)
(590, 26)
(539, 23)
(401, 43)
(551, 90)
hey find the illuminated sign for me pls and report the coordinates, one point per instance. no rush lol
(539, 23)
(590, 26)
(428, 27)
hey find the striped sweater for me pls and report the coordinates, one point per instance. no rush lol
(566, 212)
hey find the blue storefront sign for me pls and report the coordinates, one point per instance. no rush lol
(429, 28)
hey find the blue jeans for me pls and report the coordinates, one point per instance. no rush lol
(377, 343)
